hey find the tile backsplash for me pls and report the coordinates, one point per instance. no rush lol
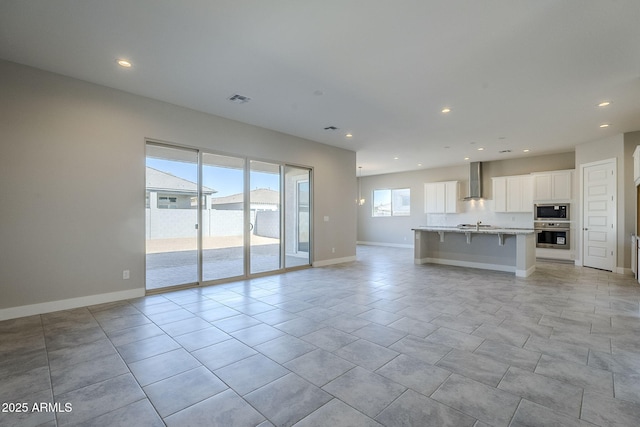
(471, 211)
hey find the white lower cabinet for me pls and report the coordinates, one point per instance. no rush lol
(513, 193)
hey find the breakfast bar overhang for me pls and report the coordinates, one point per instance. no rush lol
(501, 249)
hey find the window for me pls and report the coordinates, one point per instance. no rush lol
(395, 202)
(401, 202)
(165, 202)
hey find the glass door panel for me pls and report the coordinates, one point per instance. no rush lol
(297, 222)
(171, 216)
(222, 217)
(264, 198)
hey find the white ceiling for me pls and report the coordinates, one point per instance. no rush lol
(517, 74)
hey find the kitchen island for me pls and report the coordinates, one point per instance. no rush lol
(489, 248)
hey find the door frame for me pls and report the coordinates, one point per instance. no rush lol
(297, 204)
(580, 235)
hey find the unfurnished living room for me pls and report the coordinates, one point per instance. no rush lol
(319, 213)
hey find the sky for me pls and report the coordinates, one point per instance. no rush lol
(226, 181)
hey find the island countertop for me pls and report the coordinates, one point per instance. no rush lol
(482, 230)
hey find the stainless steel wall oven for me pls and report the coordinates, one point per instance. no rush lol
(553, 235)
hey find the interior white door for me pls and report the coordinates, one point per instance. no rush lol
(599, 215)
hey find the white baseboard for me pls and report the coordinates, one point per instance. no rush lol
(526, 273)
(66, 304)
(479, 265)
(326, 262)
(391, 245)
(618, 270)
(624, 270)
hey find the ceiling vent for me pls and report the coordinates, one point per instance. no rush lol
(239, 99)
(504, 151)
(331, 128)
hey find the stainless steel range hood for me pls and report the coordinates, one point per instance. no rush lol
(475, 181)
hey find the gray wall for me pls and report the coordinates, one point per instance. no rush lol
(73, 155)
(397, 230)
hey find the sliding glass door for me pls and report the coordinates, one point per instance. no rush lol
(223, 223)
(212, 217)
(171, 216)
(265, 212)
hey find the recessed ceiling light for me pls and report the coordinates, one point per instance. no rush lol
(446, 110)
(481, 149)
(419, 164)
(605, 125)
(466, 158)
(349, 135)
(396, 158)
(123, 63)
(526, 150)
(604, 104)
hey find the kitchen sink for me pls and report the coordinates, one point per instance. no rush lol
(473, 226)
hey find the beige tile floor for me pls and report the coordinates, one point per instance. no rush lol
(380, 341)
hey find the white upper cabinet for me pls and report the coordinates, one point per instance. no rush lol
(451, 195)
(550, 186)
(499, 194)
(441, 197)
(513, 193)
(636, 165)
(542, 187)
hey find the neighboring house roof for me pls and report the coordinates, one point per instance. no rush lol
(386, 207)
(259, 195)
(163, 181)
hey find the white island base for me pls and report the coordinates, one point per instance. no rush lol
(495, 249)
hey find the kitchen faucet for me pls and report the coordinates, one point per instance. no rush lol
(478, 225)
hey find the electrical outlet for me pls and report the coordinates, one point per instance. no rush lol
(125, 275)
(333, 250)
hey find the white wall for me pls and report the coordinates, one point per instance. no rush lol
(70, 147)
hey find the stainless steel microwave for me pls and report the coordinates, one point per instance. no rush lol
(552, 211)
